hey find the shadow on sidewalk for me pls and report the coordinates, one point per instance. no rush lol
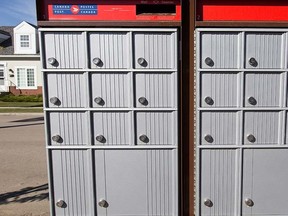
(30, 119)
(24, 195)
(22, 125)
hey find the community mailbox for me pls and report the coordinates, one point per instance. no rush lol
(242, 153)
(111, 106)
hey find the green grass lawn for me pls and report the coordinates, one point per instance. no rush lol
(24, 110)
(21, 104)
(22, 107)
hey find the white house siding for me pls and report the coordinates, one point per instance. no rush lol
(17, 61)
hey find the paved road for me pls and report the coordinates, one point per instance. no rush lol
(23, 175)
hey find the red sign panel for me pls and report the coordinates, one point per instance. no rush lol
(245, 10)
(114, 10)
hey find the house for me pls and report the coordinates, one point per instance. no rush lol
(20, 67)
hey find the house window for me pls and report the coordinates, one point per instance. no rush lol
(24, 41)
(26, 77)
(2, 70)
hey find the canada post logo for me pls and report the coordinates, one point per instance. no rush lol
(75, 9)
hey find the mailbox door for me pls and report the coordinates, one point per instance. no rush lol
(71, 182)
(264, 50)
(262, 127)
(110, 50)
(112, 128)
(265, 180)
(155, 50)
(218, 182)
(262, 89)
(72, 127)
(66, 90)
(219, 128)
(220, 50)
(111, 90)
(157, 90)
(219, 89)
(159, 128)
(136, 182)
(67, 48)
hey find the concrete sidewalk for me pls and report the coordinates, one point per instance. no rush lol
(23, 171)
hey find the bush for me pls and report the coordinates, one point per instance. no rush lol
(21, 98)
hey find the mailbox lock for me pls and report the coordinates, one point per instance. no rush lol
(144, 138)
(143, 101)
(141, 61)
(60, 203)
(103, 203)
(57, 138)
(208, 100)
(252, 101)
(99, 101)
(209, 62)
(54, 100)
(253, 62)
(97, 62)
(208, 203)
(52, 61)
(249, 202)
(251, 138)
(101, 138)
(209, 138)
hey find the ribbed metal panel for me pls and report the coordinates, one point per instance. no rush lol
(158, 89)
(136, 182)
(218, 182)
(222, 88)
(71, 126)
(69, 88)
(222, 126)
(265, 180)
(71, 183)
(264, 87)
(159, 127)
(266, 48)
(68, 48)
(158, 49)
(114, 126)
(113, 88)
(112, 48)
(264, 126)
(222, 48)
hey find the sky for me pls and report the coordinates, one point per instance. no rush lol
(13, 12)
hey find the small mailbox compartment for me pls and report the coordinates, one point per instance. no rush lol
(112, 128)
(155, 50)
(110, 50)
(66, 90)
(111, 90)
(219, 128)
(64, 50)
(68, 128)
(219, 89)
(262, 89)
(264, 50)
(261, 127)
(220, 50)
(155, 89)
(156, 128)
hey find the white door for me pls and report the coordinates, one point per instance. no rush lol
(3, 85)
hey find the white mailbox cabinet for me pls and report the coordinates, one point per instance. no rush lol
(242, 129)
(111, 108)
